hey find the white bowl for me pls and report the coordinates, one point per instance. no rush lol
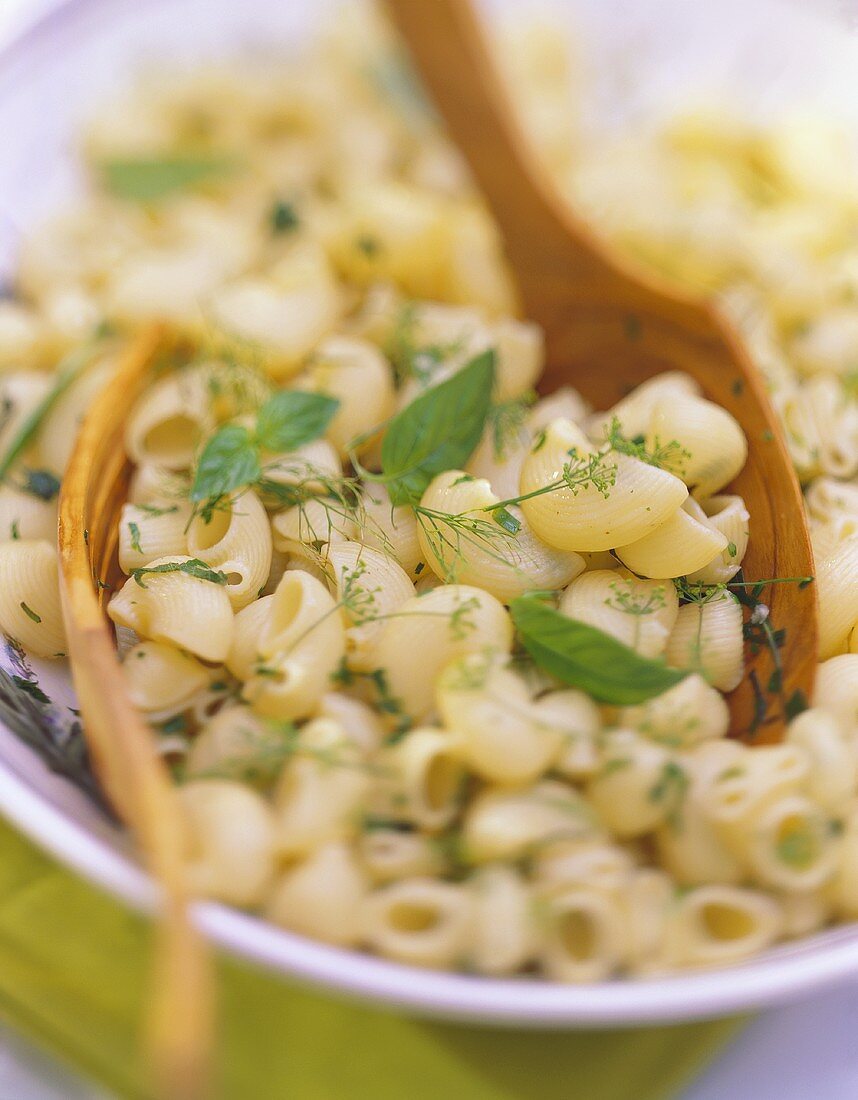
(639, 62)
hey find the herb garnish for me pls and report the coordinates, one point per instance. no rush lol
(148, 179)
(134, 532)
(193, 568)
(231, 457)
(30, 613)
(580, 655)
(437, 431)
(283, 217)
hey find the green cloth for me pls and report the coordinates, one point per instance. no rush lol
(74, 963)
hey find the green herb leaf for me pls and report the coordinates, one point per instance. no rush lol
(30, 613)
(292, 418)
(581, 656)
(147, 179)
(134, 531)
(193, 567)
(438, 431)
(229, 460)
(283, 217)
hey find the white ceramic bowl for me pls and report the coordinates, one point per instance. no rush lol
(640, 60)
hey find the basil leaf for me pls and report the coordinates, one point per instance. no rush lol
(438, 431)
(193, 567)
(229, 460)
(581, 656)
(292, 418)
(147, 179)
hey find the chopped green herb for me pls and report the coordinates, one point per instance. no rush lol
(134, 531)
(30, 613)
(15, 531)
(193, 568)
(31, 688)
(148, 179)
(41, 483)
(283, 217)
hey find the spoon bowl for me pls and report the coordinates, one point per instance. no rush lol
(609, 327)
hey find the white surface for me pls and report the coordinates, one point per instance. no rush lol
(797, 1052)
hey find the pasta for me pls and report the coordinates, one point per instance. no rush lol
(439, 662)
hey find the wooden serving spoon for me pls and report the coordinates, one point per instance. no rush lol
(121, 744)
(609, 328)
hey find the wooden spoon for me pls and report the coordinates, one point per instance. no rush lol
(608, 328)
(121, 744)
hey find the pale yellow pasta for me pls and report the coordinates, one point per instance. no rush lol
(176, 607)
(489, 710)
(391, 529)
(638, 613)
(804, 913)
(634, 411)
(504, 564)
(499, 458)
(19, 334)
(564, 403)
(390, 854)
(62, 423)
(423, 779)
(310, 466)
(312, 523)
(509, 823)
(836, 689)
(236, 539)
(707, 638)
(828, 499)
(169, 421)
(837, 590)
(585, 939)
(418, 921)
(371, 589)
(563, 863)
(360, 722)
(636, 498)
(790, 845)
(234, 735)
(503, 935)
(728, 515)
(30, 609)
(692, 849)
(646, 902)
(713, 445)
(285, 314)
(683, 716)
(243, 655)
(320, 790)
(321, 896)
(833, 775)
(431, 630)
(681, 545)
(575, 719)
(147, 532)
(157, 486)
(719, 924)
(25, 516)
(21, 392)
(230, 841)
(842, 890)
(162, 680)
(637, 786)
(301, 642)
(519, 355)
(355, 373)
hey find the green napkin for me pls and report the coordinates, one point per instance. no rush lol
(74, 965)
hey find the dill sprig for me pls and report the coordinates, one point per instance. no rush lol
(506, 421)
(410, 358)
(670, 456)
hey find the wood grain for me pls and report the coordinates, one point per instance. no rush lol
(121, 744)
(609, 326)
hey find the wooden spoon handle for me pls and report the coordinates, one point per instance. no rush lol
(454, 59)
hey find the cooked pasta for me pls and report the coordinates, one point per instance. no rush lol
(439, 661)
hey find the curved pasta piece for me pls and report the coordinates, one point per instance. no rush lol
(230, 841)
(312, 468)
(24, 516)
(162, 680)
(837, 590)
(248, 624)
(356, 373)
(235, 735)
(236, 539)
(301, 642)
(157, 486)
(638, 613)
(519, 356)
(425, 779)
(169, 421)
(503, 563)
(635, 410)
(621, 791)
(683, 716)
(30, 609)
(833, 774)
(682, 544)
(147, 532)
(489, 712)
(321, 897)
(420, 922)
(60, 427)
(390, 529)
(504, 934)
(790, 845)
(312, 523)
(585, 938)
(176, 608)
(20, 394)
(713, 445)
(716, 925)
(431, 630)
(728, 515)
(628, 499)
(836, 688)
(707, 638)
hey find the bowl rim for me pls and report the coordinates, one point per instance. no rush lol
(782, 974)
